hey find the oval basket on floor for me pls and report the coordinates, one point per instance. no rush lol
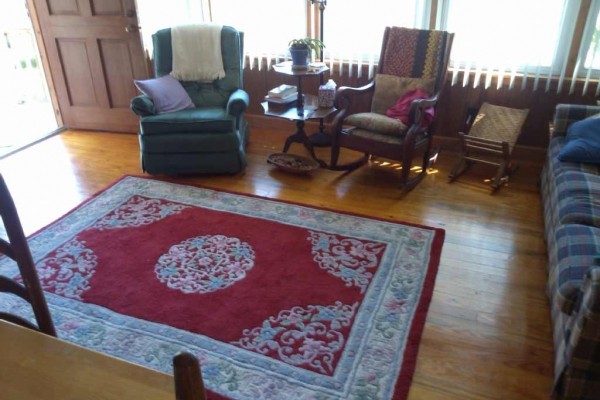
(292, 163)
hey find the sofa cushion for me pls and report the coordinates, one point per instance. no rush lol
(192, 121)
(559, 166)
(576, 250)
(583, 142)
(578, 198)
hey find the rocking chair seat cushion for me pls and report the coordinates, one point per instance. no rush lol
(377, 123)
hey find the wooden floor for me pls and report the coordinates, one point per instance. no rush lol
(488, 333)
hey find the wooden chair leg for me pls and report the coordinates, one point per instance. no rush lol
(497, 182)
(188, 377)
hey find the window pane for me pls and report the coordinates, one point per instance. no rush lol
(592, 59)
(354, 27)
(153, 17)
(507, 33)
(268, 25)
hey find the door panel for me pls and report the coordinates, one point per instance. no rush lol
(75, 65)
(63, 7)
(94, 52)
(115, 54)
(107, 7)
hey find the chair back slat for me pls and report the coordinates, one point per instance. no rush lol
(17, 249)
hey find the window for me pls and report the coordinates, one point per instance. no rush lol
(504, 33)
(509, 36)
(268, 25)
(529, 38)
(353, 30)
(153, 17)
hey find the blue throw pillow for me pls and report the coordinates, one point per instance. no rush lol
(583, 142)
(166, 93)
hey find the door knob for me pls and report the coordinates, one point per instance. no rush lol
(132, 28)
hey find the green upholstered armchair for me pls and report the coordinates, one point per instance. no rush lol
(207, 139)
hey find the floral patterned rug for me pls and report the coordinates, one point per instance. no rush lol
(277, 300)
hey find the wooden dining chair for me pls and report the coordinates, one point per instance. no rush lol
(188, 377)
(16, 248)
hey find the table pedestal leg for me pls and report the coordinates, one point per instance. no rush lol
(301, 137)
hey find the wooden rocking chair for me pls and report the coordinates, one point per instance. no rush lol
(490, 139)
(410, 59)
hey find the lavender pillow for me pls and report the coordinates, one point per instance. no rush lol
(167, 94)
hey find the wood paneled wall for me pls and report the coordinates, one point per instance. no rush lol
(454, 103)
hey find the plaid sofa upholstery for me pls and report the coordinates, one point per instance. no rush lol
(571, 198)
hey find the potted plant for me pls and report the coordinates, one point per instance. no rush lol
(301, 49)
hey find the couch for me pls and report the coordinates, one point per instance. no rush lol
(571, 201)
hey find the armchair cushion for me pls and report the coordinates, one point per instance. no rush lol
(583, 142)
(378, 123)
(166, 93)
(192, 121)
(389, 88)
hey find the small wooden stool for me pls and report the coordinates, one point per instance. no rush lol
(490, 139)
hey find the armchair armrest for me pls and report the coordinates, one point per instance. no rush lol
(142, 106)
(585, 332)
(418, 107)
(238, 102)
(343, 101)
(566, 114)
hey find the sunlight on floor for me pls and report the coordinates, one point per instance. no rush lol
(28, 114)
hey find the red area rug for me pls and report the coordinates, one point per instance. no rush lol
(278, 300)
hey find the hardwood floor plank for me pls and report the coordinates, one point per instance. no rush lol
(488, 332)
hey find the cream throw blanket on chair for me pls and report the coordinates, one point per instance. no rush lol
(197, 52)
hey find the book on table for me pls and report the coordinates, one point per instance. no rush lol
(281, 104)
(282, 100)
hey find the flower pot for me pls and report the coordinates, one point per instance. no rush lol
(299, 58)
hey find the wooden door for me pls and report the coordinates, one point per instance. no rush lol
(94, 51)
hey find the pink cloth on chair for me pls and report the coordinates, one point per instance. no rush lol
(401, 109)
